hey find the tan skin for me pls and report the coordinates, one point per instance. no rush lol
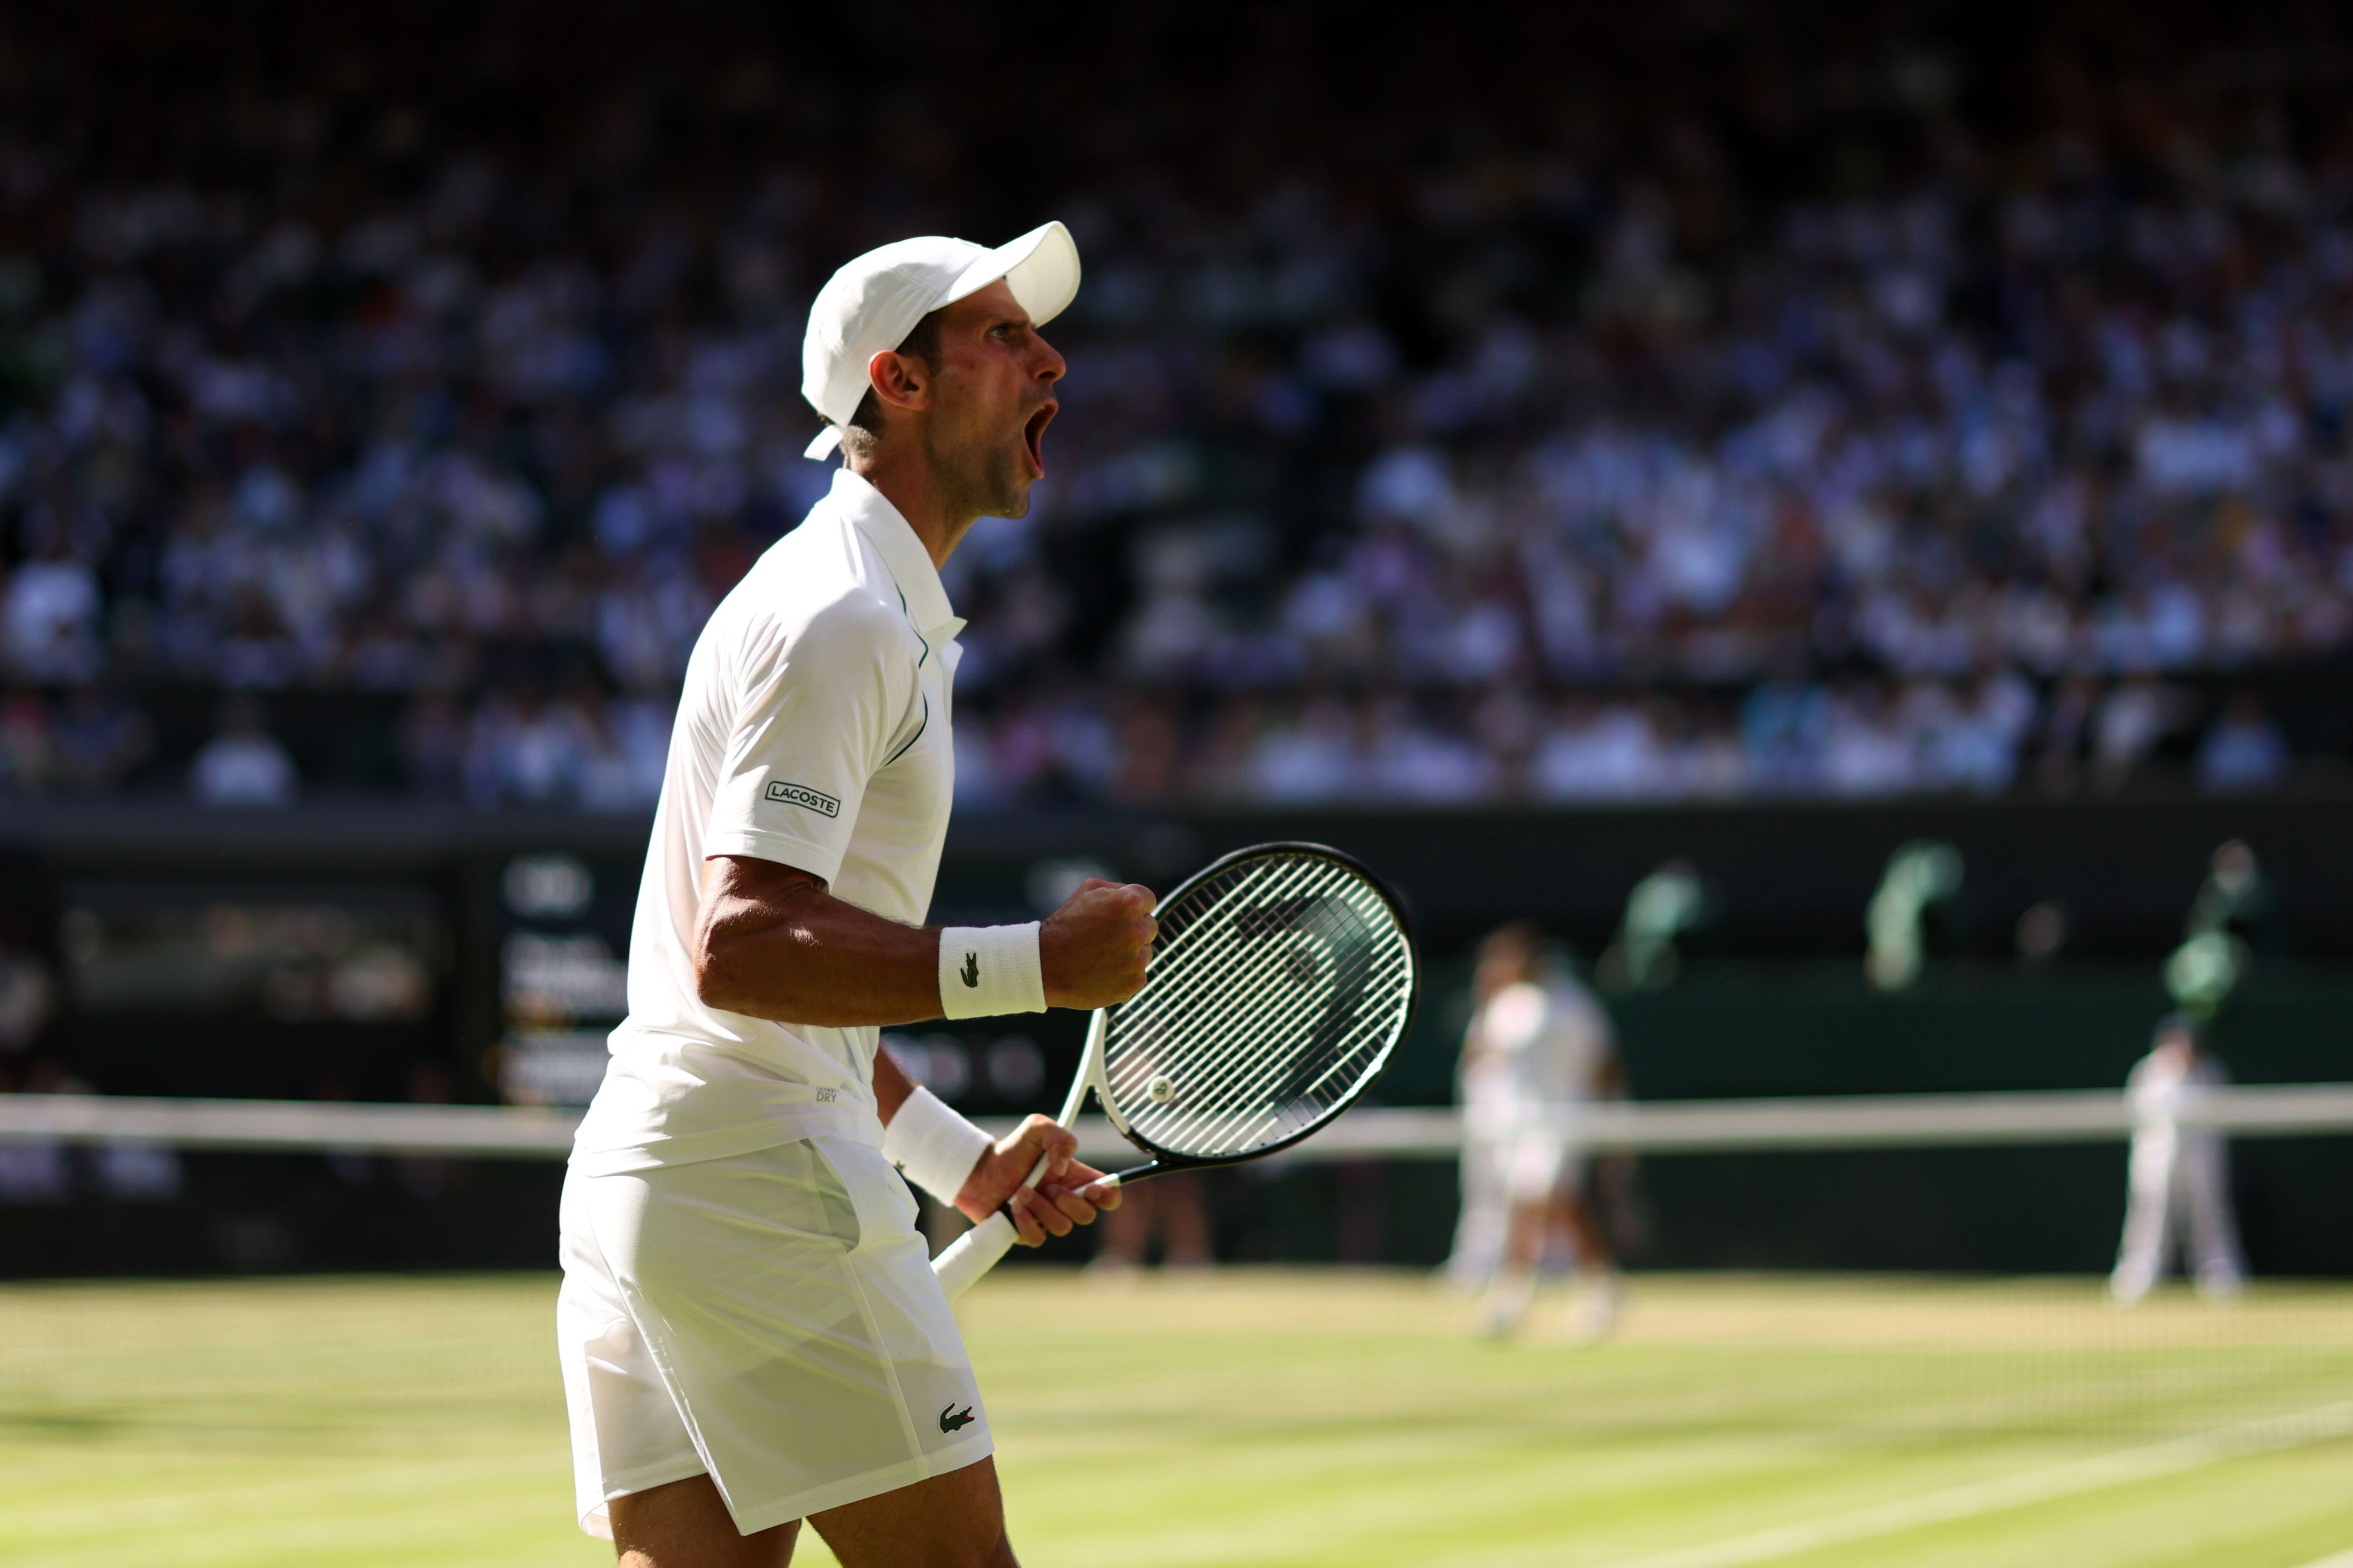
(770, 941)
(959, 443)
(954, 1519)
(965, 441)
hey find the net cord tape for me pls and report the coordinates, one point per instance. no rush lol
(1655, 1127)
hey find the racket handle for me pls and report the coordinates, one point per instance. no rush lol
(974, 1254)
(977, 1250)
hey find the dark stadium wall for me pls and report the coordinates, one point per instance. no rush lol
(1773, 1003)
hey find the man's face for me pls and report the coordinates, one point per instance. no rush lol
(1502, 961)
(993, 397)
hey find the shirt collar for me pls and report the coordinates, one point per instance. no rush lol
(903, 555)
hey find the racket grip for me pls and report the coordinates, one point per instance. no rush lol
(974, 1254)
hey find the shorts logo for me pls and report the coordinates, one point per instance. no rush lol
(952, 1418)
(801, 794)
(971, 971)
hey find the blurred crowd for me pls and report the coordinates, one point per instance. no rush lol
(1554, 413)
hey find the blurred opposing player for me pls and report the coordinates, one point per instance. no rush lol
(2180, 1176)
(1538, 1050)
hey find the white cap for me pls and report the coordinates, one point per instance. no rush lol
(873, 303)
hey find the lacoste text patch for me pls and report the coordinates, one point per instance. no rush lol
(801, 794)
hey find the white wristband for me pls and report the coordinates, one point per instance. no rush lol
(988, 970)
(933, 1146)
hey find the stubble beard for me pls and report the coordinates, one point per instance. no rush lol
(985, 480)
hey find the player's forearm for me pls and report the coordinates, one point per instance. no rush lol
(771, 942)
(892, 1086)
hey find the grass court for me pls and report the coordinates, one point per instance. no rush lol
(1253, 1417)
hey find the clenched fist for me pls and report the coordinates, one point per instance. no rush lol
(1092, 948)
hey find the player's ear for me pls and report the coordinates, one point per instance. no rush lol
(902, 381)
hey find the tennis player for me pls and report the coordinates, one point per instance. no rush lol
(2179, 1188)
(1538, 1049)
(750, 1330)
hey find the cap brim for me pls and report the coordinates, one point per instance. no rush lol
(1042, 268)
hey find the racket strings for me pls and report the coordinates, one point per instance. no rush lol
(1332, 920)
(1245, 1028)
(1191, 971)
(1248, 1085)
(1197, 967)
(1240, 1107)
(1247, 1048)
(1158, 1037)
(1186, 970)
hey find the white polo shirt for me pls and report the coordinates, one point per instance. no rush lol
(813, 731)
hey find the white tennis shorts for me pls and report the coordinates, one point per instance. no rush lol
(1537, 1166)
(771, 1319)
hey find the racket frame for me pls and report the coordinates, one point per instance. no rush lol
(1094, 1071)
(973, 1254)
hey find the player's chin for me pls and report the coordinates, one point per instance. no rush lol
(1012, 488)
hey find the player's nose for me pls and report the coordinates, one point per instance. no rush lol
(1045, 361)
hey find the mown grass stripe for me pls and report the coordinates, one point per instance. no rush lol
(2147, 1463)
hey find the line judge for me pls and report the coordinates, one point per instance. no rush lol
(750, 1330)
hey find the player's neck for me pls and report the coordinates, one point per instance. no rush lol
(922, 496)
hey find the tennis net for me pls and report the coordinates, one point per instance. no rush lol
(1881, 1268)
(1669, 1127)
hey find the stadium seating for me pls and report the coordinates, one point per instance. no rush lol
(1850, 417)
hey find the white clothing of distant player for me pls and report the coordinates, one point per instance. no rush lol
(745, 1293)
(1533, 1059)
(2179, 1193)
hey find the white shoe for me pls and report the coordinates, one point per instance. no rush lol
(2221, 1285)
(1506, 1303)
(1112, 1271)
(1596, 1316)
(1464, 1282)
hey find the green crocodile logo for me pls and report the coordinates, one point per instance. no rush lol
(952, 1418)
(972, 971)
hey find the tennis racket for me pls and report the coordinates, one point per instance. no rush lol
(1282, 979)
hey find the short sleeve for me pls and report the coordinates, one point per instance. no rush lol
(810, 733)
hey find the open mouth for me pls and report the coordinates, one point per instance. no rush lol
(1033, 436)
